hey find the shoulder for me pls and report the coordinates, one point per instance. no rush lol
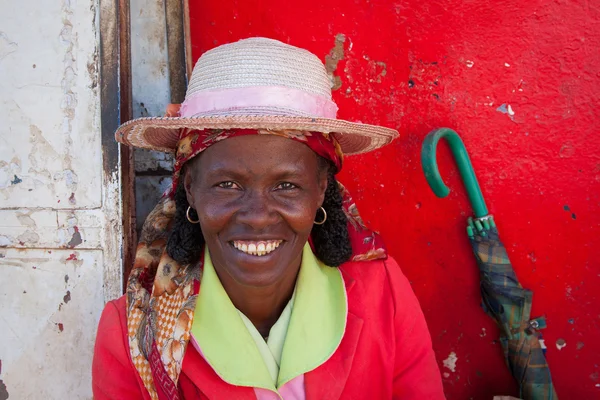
(114, 314)
(380, 283)
(375, 275)
(112, 328)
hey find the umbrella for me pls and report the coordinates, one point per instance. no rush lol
(503, 297)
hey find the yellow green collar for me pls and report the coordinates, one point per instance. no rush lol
(315, 330)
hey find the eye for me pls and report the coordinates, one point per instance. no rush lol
(286, 186)
(228, 185)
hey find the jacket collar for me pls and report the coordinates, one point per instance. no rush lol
(317, 325)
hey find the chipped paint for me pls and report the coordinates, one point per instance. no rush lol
(75, 239)
(54, 195)
(450, 362)
(560, 344)
(336, 54)
(3, 391)
(55, 228)
(43, 163)
(507, 109)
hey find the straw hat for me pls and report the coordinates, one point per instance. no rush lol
(256, 83)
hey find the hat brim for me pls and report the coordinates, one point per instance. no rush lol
(162, 133)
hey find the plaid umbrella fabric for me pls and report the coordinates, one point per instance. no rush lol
(503, 297)
(505, 300)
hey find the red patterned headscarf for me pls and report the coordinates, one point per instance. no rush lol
(161, 293)
(193, 142)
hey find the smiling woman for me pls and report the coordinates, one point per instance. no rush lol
(255, 277)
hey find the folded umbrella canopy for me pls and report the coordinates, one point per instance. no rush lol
(503, 297)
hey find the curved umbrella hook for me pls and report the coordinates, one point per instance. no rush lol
(432, 173)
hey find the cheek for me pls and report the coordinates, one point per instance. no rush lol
(299, 215)
(214, 214)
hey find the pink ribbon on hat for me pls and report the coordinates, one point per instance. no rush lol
(252, 97)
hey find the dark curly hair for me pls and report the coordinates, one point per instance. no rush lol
(331, 240)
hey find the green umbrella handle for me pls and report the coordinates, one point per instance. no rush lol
(432, 173)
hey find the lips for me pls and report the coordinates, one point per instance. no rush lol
(256, 248)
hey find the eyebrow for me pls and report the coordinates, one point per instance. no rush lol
(281, 171)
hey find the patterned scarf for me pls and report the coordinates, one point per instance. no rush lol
(161, 293)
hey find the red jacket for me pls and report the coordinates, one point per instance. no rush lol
(385, 353)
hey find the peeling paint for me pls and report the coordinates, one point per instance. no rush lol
(3, 388)
(75, 240)
(507, 109)
(16, 180)
(336, 54)
(377, 70)
(28, 238)
(560, 344)
(450, 362)
(51, 162)
(8, 173)
(3, 391)
(25, 219)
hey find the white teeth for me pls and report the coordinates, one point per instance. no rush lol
(257, 248)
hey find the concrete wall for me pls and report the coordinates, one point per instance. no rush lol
(59, 211)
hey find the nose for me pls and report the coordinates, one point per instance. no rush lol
(257, 211)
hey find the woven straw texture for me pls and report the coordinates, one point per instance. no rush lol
(255, 62)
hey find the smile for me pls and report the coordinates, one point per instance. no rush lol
(256, 248)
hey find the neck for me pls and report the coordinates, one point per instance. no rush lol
(261, 305)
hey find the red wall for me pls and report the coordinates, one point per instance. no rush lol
(417, 65)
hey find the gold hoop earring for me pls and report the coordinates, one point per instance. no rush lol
(187, 214)
(324, 218)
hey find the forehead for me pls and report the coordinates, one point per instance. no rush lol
(257, 152)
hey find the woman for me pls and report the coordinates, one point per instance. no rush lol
(255, 277)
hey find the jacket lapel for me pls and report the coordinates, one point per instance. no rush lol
(327, 381)
(201, 374)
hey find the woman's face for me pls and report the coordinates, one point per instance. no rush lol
(256, 197)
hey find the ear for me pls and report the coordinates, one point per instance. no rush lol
(187, 184)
